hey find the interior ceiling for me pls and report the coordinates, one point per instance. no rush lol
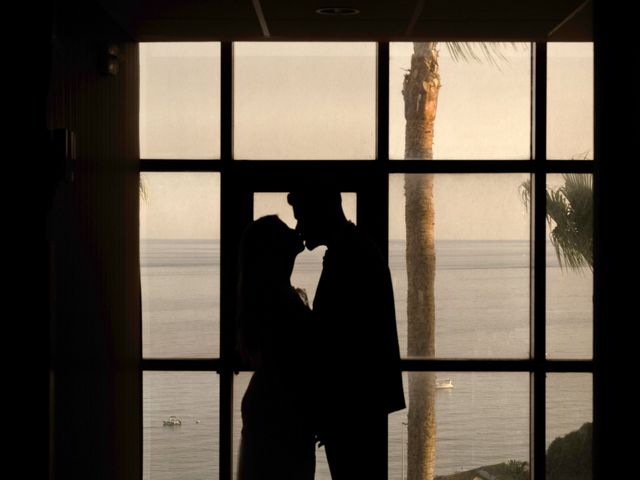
(397, 20)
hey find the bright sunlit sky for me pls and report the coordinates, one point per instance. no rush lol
(318, 101)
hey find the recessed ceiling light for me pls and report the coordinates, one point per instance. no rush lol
(338, 11)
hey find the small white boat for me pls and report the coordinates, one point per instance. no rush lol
(172, 422)
(444, 384)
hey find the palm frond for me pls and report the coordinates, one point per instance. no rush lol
(142, 187)
(525, 192)
(491, 52)
(578, 191)
(570, 219)
(562, 232)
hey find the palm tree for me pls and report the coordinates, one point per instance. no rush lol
(570, 219)
(420, 91)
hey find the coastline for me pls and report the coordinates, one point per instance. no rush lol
(498, 471)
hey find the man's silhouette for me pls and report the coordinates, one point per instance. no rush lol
(358, 376)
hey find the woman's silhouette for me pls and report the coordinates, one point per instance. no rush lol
(274, 339)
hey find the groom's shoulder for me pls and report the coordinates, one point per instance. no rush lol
(358, 246)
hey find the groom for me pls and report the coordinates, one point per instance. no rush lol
(358, 379)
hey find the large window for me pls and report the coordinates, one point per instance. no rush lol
(511, 312)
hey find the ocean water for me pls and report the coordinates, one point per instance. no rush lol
(482, 311)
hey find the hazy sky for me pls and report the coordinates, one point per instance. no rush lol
(468, 207)
(180, 205)
(318, 101)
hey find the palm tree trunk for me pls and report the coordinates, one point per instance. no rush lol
(420, 91)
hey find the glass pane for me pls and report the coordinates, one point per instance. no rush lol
(480, 283)
(481, 424)
(483, 104)
(308, 267)
(181, 425)
(180, 100)
(570, 271)
(570, 101)
(240, 384)
(569, 426)
(304, 100)
(180, 264)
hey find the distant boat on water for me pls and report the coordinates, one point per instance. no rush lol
(172, 422)
(444, 384)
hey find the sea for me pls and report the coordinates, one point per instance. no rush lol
(482, 311)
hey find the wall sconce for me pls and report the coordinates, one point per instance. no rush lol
(111, 60)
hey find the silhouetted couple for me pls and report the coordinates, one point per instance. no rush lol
(329, 374)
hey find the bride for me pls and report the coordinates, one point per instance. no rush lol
(274, 334)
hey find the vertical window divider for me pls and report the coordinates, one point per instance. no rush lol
(226, 101)
(538, 203)
(226, 263)
(373, 205)
(379, 200)
(602, 349)
(382, 97)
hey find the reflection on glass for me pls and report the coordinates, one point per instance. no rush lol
(569, 425)
(483, 107)
(308, 267)
(180, 264)
(180, 100)
(304, 100)
(240, 384)
(570, 270)
(481, 422)
(185, 446)
(481, 277)
(570, 101)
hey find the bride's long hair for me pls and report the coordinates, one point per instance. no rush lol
(260, 280)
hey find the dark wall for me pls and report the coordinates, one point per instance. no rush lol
(616, 286)
(93, 251)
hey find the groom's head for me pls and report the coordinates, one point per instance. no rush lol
(318, 211)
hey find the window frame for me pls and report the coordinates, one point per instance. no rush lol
(369, 179)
